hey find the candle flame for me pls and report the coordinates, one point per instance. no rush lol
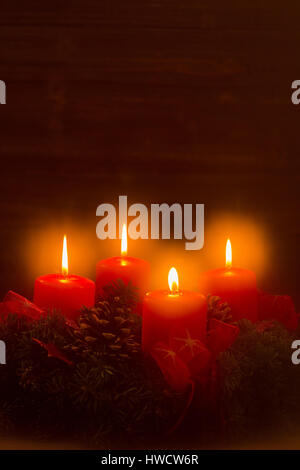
(228, 254)
(124, 241)
(173, 280)
(64, 264)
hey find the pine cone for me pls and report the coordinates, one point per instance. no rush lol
(108, 329)
(218, 309)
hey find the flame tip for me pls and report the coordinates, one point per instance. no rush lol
(228, 253)
(124, 241)
(64, 264)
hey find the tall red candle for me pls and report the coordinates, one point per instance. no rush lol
(64, 292)
(169, 313)
(234, 285)
(125, 268)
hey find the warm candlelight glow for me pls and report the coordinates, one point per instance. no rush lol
(124, 241)
(173, 280)
(228, 254)
(64, 264)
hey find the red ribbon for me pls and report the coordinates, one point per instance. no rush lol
(278, 307)
(14, 303)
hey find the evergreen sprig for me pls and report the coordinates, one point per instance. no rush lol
(260, 383)
(90, 382)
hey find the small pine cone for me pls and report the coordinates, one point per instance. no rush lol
(107, 329)
(218, 309)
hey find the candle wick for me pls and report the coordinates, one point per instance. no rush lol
(174, 288)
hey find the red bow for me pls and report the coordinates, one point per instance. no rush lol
(187, 358)
(278, 307)
(14, 303)
(221, 336)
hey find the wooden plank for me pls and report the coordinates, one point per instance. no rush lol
(163, 100)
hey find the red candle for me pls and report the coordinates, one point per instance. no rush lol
(125, 268)
(171, 313)
(235, 286)
(64, 292)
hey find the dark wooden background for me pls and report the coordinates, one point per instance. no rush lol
(166, 101)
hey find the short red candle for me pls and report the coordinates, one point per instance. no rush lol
(125, 268)
(167, 313)
(234, 285)
(64, 292)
